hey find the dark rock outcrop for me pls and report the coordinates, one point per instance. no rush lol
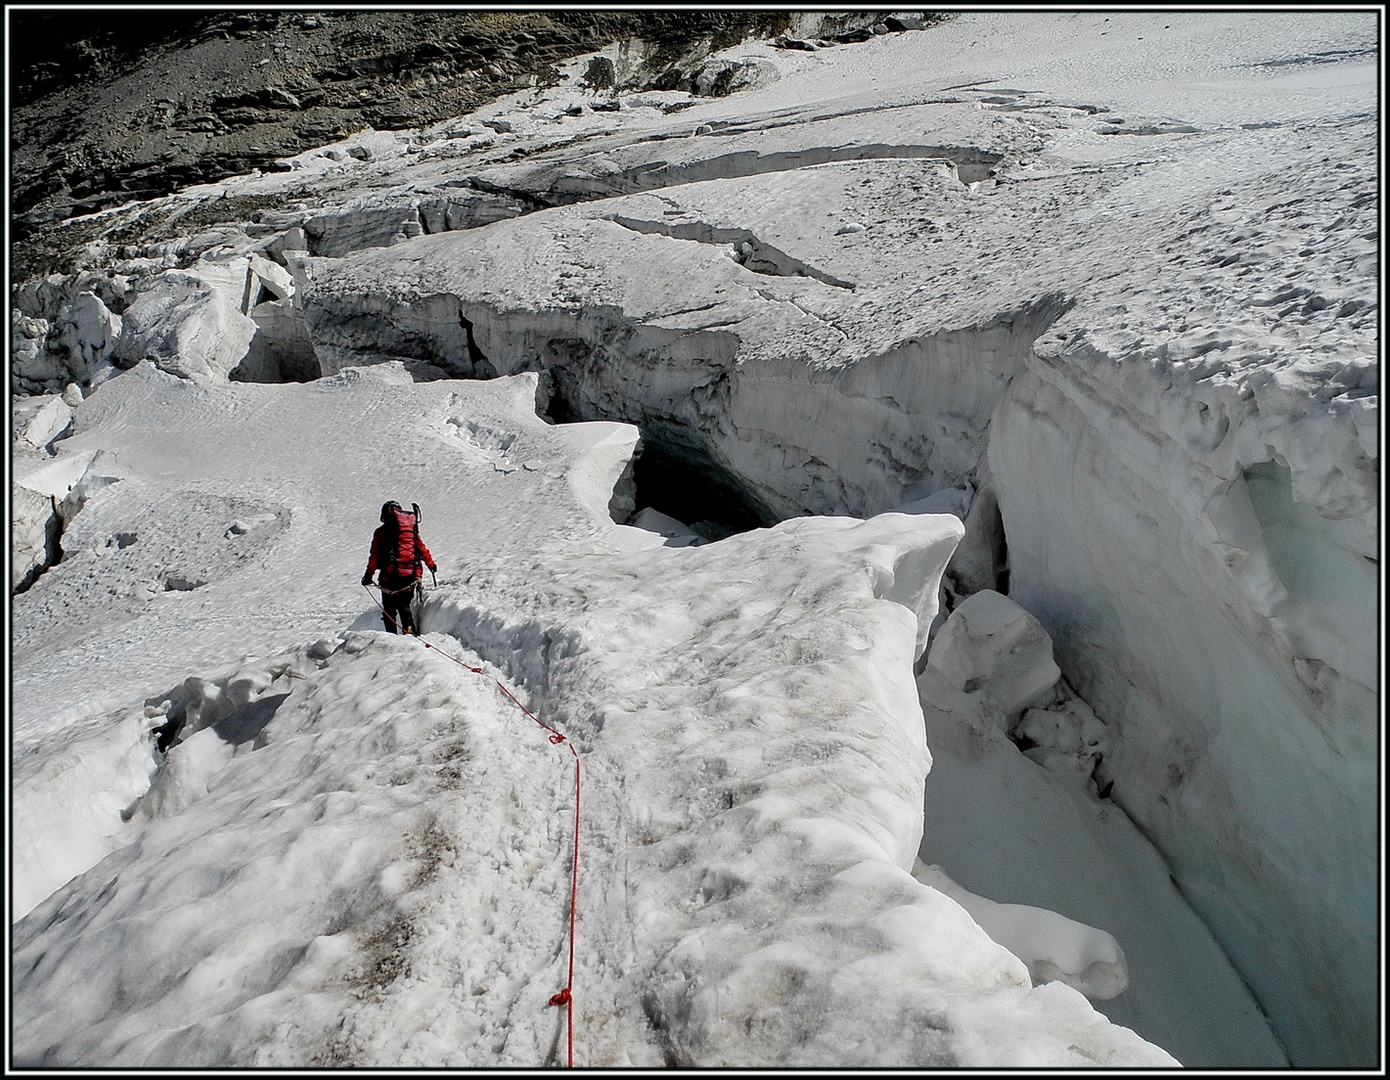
(143, 104)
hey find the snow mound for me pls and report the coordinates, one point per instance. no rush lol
(1055, 948)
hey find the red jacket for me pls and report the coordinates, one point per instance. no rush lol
(381, 556)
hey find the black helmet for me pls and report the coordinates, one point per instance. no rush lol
(386, 509)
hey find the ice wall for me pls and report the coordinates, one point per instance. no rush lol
(1199, 548)
(1018, 809)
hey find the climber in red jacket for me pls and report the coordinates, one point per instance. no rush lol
(398, 551)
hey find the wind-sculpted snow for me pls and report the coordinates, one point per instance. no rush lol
(752, 734)
(1101, 288)
(753, 754)
(278, 912)
(1055, 948)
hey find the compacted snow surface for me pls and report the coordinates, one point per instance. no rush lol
(359, 828)
(1074, 562)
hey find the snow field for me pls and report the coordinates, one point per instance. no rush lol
(294, 912)
(1201, 406)
(322, 457)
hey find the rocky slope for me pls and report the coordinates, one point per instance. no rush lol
(138, 105)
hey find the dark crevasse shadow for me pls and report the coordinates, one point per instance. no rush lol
(686, 484)
(246, 723)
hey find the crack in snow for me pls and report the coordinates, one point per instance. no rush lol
(749, 251)
(816, 315)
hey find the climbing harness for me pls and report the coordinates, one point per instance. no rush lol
(416, 584)
(566, 996)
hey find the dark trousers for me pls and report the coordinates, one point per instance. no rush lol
(395, 598)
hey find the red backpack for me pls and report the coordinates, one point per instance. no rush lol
(400, 555)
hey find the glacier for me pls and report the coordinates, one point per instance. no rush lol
(1041, 350)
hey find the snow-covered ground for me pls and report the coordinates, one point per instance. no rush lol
(1102, 284)
(358, 852)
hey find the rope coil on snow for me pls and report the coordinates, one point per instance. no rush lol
(566, 996)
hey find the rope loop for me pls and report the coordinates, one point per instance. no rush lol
(557, 739)
(562, 998)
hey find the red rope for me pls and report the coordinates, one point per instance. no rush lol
(566, 996)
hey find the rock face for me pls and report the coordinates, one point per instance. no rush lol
(214, 95)
(1128, 334)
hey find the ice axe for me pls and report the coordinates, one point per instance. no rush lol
(415, 508)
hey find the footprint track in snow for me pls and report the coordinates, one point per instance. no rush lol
(482, 441)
